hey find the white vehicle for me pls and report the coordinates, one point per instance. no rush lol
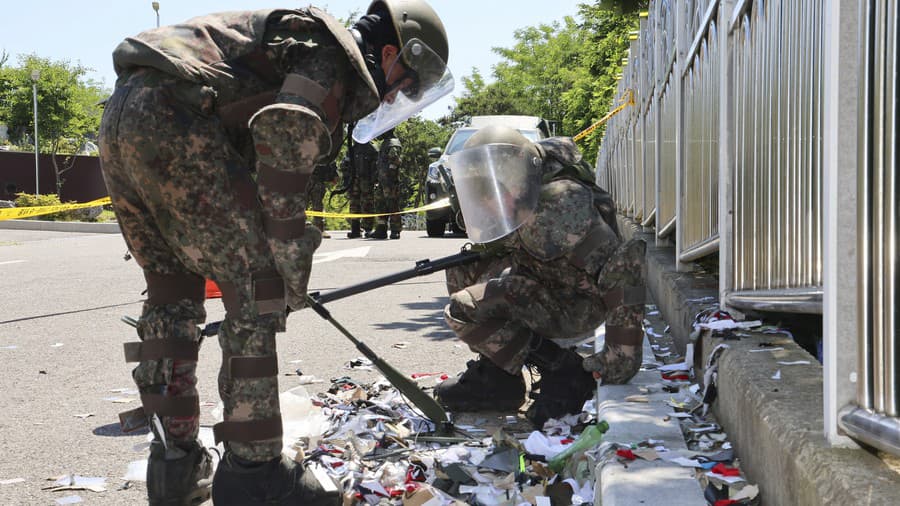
(437, 188)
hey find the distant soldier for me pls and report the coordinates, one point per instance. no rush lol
(324, 176)
(556, 270)
(387, 189)
(361, 170)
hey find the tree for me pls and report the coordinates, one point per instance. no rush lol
(69, 108)
(416, 137)
(563, 72)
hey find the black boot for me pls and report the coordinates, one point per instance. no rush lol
(564, 384)
(482, 387)
(395, 234)
(354, 232)
(241, 482)
(380, 232)
(176, 476)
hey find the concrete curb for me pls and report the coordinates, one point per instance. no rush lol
(776, 426)
(61, 226)
(642, 482)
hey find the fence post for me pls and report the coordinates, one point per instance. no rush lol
(842, 36)
(726, 153)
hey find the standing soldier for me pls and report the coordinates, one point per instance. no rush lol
(324, 175)
(387, 191)
(557, 269)
(361, 167)
(207, 145)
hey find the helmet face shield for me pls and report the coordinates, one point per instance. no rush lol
(422, 78)
(498, 186)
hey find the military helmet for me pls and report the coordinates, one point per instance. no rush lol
(498, 134)
(415, 19)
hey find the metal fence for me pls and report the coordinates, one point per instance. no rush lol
(728, 129)
(873, 419)
(735, 95)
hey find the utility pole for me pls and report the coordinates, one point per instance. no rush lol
(156, 8)
(35, 75)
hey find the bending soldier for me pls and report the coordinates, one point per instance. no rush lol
(557, 269)
(207, 145)
(387, 189)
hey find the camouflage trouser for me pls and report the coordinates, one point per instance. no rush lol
(620, 358)
(498, 312)
(316, 197)
(387, 198)
(496, 307)
(362, 198)
(169, 170)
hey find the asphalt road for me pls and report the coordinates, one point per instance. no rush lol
(61, 347)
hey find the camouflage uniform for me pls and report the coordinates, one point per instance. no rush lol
(207, 145)
(387, 191)
(560, 275)
(323, 176)
(362, 188)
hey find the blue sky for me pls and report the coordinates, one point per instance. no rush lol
(86, 31)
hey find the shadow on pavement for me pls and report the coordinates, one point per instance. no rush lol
(115, 430)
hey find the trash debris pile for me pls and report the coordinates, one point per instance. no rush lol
(709, 452)
(383, 451)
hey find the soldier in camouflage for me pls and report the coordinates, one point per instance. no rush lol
(207, 146)
(387, 188)
(558, 275)
(324, 176)
(361, 194)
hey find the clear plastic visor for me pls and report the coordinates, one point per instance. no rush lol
(498, 187)
(423, 78)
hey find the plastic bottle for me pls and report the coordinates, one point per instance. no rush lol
(589, 438)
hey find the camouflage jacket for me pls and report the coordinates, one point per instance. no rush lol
(245, 56)
(569, 238)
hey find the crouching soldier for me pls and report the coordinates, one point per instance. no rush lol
(555, 269)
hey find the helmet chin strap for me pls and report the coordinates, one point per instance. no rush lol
(373, 63)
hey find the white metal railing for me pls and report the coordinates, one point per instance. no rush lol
(873, 418)
(734, 130)
(742, 78)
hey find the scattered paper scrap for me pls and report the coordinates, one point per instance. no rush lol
(83, 415)
(777, 375)
(56, 345)
(749, 492)
(11, 481)
(795, 362)
(767, 349)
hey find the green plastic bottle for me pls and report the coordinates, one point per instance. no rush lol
(589, 438)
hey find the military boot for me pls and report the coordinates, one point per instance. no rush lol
(354, 232)
(241, 482)
(395, 234)
(380, 232)
(482, 387)
(177, 476)
(564, 385)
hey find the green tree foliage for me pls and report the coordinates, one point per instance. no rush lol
(68, 110)
(417, 136)
(564, 72)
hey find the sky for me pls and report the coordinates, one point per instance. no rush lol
(86, 31)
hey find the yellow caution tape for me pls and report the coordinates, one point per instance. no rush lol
(625, 103)
(14, 213)
(438, 204)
